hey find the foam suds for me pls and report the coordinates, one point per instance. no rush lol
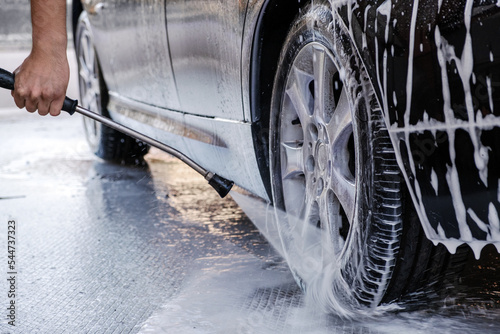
(474, 125)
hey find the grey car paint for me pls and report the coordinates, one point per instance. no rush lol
(133, 49)
(205, 42)
(211, 129)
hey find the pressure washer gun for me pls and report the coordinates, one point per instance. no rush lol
(220, 184)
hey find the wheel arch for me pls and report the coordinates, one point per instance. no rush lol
(271, 29)
(272, 26)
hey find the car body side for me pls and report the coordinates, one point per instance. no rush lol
(198, 75)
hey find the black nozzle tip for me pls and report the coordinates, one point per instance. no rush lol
(221, 185)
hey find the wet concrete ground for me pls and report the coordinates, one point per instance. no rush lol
(103, 248)
(100, 247)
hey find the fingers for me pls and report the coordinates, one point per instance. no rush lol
(45, 102)
(44, 106)
(55, 107)
(32, 106)
(23, 101)
(18, 100)
(19, 93)
(32, 101)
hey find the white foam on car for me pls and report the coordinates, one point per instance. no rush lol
(475, 124)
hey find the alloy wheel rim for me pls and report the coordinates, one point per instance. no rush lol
(89, 84)
(317, 146)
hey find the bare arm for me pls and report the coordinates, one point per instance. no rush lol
(42, 79)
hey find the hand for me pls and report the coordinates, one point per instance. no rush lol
(41, 82)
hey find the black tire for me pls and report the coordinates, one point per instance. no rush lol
(106, 143)
(369, 252)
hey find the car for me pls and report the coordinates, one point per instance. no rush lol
(371, 126)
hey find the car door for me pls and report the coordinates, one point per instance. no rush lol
(205, 38)
(133, 50)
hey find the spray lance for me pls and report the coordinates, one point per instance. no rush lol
(220, 184)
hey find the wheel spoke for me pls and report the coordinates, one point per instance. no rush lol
(331, 220)
(311, 217)
(341, 120)
(339, 132)
(88, 54)
(345, 191)
(84, 49)
(324, 93)
(299, 94)
(84, 72)
(89, 98)
(295, 200)
(92, 59)
(324, 212)
(87, 59)
(319, 78)
(293, 162)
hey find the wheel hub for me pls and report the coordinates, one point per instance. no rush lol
(322, 157)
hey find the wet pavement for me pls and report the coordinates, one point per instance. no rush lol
(105, 248)
(99, 247)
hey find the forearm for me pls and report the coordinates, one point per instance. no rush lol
(42, 79)
(48, 19)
